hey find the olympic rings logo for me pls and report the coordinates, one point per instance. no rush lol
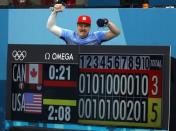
(19, 55)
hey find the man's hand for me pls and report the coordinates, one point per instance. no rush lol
(59, 7)
(102, 22)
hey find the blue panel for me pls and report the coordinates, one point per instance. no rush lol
(2, 103)
(3, 42)
(71, 126)
(149, 26)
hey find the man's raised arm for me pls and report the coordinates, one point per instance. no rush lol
(113, 31)
(51, 23)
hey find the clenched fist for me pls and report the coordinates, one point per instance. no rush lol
(58, 7)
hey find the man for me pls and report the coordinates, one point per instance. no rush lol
(82, 36)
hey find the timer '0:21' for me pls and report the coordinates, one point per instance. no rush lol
(59, 73)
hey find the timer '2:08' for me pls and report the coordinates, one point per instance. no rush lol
(59, 113)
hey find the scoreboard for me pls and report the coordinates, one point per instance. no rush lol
(124, 86)
(42, 83)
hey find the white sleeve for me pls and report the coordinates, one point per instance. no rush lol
(51, 24)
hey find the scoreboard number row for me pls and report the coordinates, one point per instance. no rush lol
(117, 84)
(113, 109)
(115, 62)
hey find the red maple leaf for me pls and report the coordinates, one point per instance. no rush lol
(33, 73)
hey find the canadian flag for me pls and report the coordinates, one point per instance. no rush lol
(33, 74)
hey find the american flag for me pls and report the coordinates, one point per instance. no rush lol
(33, 103)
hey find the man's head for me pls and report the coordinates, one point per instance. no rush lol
(83, 25)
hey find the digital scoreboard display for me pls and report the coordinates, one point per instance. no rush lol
(120, 86)
(43, 83)
(124, 86)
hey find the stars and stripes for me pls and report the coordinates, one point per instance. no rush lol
(33, 103)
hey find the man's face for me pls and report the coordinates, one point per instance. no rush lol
(83, 30)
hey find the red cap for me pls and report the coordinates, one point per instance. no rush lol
(84, 19)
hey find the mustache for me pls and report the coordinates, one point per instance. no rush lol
(82, 30)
